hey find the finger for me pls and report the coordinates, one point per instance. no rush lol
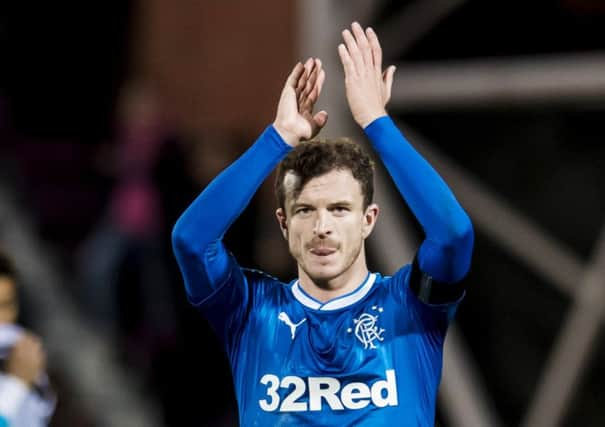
(362, 44)
(388, 82)
(347, 62)
(313, 96)
(312, 79)
(321, 118)
(304, 76)
(319, 121)
(376, 49)
(294, 76)
(320, 81)
(353, 49)
(293, 80)
(318, 73)
(309, 68)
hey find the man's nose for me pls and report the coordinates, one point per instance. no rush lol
(322, 224)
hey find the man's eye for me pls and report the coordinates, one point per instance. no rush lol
(340, 209)
(303, 210)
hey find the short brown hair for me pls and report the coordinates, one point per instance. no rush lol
(318, 157)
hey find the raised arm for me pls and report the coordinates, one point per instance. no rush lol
(197, 235)
(445, 254)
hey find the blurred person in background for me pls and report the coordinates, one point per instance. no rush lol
(340, 345)
(26, 398)
(123, 272)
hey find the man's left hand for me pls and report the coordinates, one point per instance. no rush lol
(368, 88)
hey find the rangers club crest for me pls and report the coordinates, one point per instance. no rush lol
(366, 329)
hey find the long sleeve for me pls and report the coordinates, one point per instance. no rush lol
(197, 235)
(445, 254)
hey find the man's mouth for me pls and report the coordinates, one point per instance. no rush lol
(323, 251)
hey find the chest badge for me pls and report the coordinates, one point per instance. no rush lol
(283, 316)
(366, 329)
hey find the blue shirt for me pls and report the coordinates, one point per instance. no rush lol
(372, 357)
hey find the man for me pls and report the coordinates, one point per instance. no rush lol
(339, 345)
(26, 399)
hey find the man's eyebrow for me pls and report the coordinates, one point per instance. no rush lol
(300, 204)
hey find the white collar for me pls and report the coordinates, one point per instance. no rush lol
(338, 302)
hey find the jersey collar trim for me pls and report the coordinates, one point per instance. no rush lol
(336, 303)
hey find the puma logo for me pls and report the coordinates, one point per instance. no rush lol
(284, 318)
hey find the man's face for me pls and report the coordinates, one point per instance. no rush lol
(8, 300)
(326, 224)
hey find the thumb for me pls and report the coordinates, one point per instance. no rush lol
(321, 118)
(387, 78)
(319, 121)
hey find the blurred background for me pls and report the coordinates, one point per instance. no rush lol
(114, 115)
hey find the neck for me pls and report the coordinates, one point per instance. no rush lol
(327, 289)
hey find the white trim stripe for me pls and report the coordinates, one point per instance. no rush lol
(336, 303)
(351, 298)
(303, 298)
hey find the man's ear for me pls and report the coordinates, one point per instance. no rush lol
(280, 214)
(369, 219)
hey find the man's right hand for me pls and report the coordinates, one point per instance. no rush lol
(27, 359)
(295, 121)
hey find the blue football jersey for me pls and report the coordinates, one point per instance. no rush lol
(369, 358)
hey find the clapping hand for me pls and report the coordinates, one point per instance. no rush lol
(367, 87)
(295, 120)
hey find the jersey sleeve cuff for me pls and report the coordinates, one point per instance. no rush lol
(386, 138)
(377, 126)
(13, 392)
(275, 138)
